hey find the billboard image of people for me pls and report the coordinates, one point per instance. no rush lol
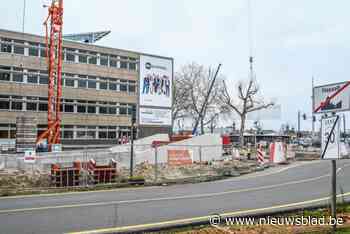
(155, 85)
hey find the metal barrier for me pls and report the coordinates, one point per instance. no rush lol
(153, 163)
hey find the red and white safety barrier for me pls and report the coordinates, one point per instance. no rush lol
(235, 154)
(260, 154)
(277, 152)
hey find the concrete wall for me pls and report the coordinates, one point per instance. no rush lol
(207, 147)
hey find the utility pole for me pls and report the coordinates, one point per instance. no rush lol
(334, 193)
(344, 124)
(24, 15)
(298, 135)
(313, 116)
(133, 120)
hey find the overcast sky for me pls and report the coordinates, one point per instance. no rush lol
(293, 40)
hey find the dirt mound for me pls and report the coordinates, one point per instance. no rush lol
(18, 179)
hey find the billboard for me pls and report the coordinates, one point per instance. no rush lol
(153, 116)
(340, 102)
(155, 83)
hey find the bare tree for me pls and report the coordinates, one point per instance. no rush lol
(194, 82)
(181, 97)
(247, 102)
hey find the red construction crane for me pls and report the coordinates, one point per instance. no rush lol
(53, 39)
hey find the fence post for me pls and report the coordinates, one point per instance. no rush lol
(85, 167)
(155, 163)
(200, 162)
(5, 159)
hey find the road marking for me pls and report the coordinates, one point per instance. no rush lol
(152, 187)
(254, 175)
(202, 218)
(165, 198)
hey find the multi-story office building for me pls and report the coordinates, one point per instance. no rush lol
(100, 88)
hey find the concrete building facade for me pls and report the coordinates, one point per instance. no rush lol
(100, 89)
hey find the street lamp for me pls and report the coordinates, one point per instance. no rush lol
(133, 121)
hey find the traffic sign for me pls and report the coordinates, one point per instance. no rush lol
(331, 97)
(330, 138)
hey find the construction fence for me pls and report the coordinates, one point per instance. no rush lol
(152, 163)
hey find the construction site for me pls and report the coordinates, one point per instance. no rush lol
(113, 140)
(75, 114)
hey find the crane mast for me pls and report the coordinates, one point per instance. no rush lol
(53, 39)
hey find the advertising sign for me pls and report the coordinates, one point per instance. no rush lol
(29, 156)
(340, 102)
(330, 138)
(179, 157)
(152, 116)
(155, 85)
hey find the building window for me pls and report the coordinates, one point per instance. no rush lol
(81, 132)
(112, 85)
(102, 134)
(67, 134)
(132, 86)
(82, 56)
(92, 58)
(103, 83)
(112, 135)
(69, 80)
(5, 73)
(6, 46)
(132, 64)
(33, 49)
(123, 86)
(81, 107)
(123, 109)
(16, 103)
(68, 106)
(18, 47)
(92, 107)
(43, 77)
(17, 75)
(103, 108)
(42, 50)
(124, 63)
(104, 60)
(43, 104)
(91, 132)
(92, 82)
(113, 61)
(32, 76)
(112, 109)
(4, 102)
(82, 81)
(4, 134)
(70, 55)
(32, 104)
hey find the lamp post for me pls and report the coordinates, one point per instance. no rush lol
(133, 120)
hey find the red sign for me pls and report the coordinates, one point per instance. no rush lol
(179, 157)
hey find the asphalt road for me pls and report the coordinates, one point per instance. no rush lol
(278, 188)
